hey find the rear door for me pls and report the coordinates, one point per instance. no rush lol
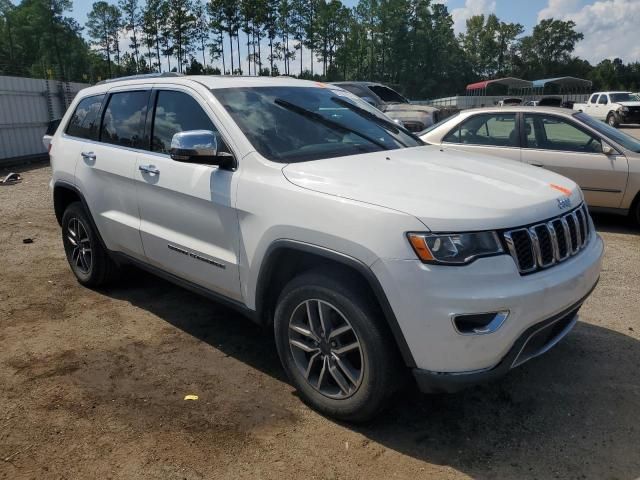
(563, 146)
(494, 134)
(189, 226)
(105, 171)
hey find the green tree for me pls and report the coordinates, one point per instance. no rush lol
(100, 23)
(549, 46)
(132, 19)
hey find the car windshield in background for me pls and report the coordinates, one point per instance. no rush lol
(294, 124)
(622, 97)
(387, 95)
(614, 134)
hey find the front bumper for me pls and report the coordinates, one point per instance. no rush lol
(424, 299)
(535, 341)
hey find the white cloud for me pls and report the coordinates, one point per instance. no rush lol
(610, 27)
(471, 7)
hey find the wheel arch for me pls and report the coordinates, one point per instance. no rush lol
(301, 257)
(64, 194)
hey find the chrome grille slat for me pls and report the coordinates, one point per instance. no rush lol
(543, 245)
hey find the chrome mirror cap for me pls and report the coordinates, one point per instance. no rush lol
(194, 145)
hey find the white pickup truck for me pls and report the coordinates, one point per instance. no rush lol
(615, 108)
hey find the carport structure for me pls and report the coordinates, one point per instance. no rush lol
(482, 91)
(570, 88)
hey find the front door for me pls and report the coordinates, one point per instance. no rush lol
(560, 145)
(189, 226)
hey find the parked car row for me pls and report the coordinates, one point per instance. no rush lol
(366, 251)
(604, 161)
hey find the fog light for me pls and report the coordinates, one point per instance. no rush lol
(479, 323)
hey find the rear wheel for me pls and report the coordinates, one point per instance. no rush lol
(612, 120)
(87, 258)
(334, 347)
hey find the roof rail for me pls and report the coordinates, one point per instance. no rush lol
(141, 77)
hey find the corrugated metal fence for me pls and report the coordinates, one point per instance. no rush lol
(27, 105)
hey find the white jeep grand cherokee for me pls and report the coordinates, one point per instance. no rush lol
(364, 250)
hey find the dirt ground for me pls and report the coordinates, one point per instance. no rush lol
(92, 384)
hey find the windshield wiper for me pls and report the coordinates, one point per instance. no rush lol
(326, 122)
(386, 124)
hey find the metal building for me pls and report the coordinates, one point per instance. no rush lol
(27, 105)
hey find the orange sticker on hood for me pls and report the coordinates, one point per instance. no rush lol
(564, 190)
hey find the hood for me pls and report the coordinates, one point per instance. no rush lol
(629, 104)
(448, 190)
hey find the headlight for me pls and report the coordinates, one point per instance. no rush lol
(624, 109)
(455, 248)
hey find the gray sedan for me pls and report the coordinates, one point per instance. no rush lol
(605, 162)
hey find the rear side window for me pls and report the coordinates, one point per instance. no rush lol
(85, 121)
(176, 112)
(123, 121)
(603, 100)
(594, 98)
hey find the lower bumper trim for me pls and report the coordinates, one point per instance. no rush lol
(535, 341)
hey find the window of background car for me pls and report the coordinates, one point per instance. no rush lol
(290, 124)
(84, 123)
(608, 131)
(603, 100)
(594, 98)
(622, 97)
(176, 112)
(123, 119)
(491, 129)
(387, 95)
(549, 132)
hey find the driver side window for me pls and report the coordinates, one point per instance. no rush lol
(176, 112)
(554, 133)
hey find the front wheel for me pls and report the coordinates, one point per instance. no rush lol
(612, 120)
(334, 347)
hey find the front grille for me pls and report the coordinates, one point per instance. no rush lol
(543, 245)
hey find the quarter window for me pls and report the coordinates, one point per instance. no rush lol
(123, 121)
(495, 129)
(554, 133)
(176, 112)
(84, 123)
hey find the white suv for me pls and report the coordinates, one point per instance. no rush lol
(363, 249)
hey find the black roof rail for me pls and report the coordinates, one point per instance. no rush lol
(141, 77)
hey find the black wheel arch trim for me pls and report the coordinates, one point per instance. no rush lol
(85, 205)
(267, 267)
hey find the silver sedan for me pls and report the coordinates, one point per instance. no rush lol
(605, 162)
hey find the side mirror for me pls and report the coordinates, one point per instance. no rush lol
(608, 149)
(198, 146)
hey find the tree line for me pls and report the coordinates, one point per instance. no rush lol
(409, 44)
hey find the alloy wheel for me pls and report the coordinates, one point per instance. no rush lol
(326, 349)
(81, 254)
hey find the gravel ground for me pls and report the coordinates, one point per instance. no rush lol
(92, 384)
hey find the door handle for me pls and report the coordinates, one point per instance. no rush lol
(88, 156)
(150, 169)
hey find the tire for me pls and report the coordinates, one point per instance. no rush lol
(369, 374)
(612, 120)
(88, 259)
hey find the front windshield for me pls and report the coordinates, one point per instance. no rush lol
(622, 97)
(294, 124)
(614, 134)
